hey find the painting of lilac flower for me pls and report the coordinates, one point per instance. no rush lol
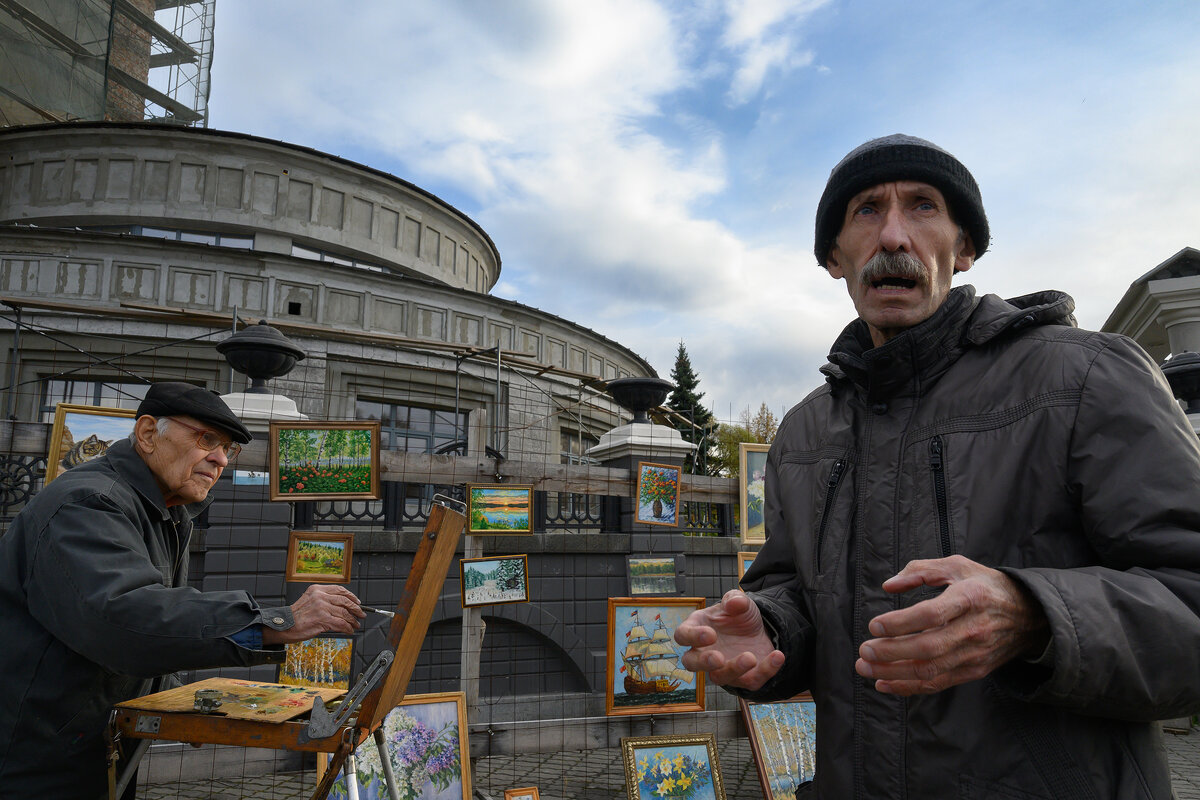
(426, 740)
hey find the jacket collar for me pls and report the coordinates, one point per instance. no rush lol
(917, 357)
(123, 459)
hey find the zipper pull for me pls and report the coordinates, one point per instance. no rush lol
(935, 453)
(835, 474)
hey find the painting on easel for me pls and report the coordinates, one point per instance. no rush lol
(426, 740)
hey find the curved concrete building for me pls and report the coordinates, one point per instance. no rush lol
(160, 234)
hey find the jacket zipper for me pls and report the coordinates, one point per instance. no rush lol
(831, 487)
(938, 468)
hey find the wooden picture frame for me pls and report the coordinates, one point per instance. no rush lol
(499, 509)
(325, 661)
(783, 740)
(650, 576)
(349, 450)
(81, 433)
(752, 470)
(744, 559)
(313, 557)
(442, 713)
(498, 580)
(656, 501)
(526, 793)
(642, 670)
(655, 765)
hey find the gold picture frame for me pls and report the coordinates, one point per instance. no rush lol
(324, 460)
(81, 433)
(510, 584)
(752, 465)
(655, 765)
(656, 501)
(525, 793)
(744, 559)
(642, 670)
(319, 557)
(499, 509)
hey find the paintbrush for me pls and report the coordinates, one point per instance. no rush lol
(379, 611)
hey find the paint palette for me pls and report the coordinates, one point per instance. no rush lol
(268, 702)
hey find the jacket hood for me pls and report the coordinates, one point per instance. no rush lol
(919, 355)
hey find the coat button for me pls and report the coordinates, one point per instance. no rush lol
(277, 620)
(880, 408)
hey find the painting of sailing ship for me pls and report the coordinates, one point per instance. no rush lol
(644, 673)
(783, 737)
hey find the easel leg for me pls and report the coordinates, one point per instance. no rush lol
(388, 774)
(351, 777)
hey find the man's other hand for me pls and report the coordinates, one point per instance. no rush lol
(323, 608)
(729, 642)
(981, 621)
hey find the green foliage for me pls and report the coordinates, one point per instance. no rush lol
(761, 428)
(685, 399)
(311, 478)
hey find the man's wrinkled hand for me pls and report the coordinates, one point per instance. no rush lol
(982, 620)
(323, 608)
(728, 641)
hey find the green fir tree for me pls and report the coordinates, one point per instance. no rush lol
(697, 425)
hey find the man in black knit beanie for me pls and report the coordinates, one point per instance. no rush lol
(983, 529)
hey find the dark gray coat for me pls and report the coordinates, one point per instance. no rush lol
(94, 599)
(999, 431)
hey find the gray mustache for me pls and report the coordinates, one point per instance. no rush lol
(896, 265)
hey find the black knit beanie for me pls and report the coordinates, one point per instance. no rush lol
(896, 158)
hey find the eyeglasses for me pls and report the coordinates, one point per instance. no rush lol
(209, 440)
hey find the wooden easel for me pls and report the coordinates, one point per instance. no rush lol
(139, 719)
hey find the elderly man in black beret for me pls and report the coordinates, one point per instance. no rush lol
(983, 552)
(94, 596)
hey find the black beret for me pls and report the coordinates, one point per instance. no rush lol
(172, 398)
(898, 158)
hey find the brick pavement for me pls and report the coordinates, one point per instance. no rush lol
(586, 775)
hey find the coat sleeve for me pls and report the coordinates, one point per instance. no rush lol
(92, 584)
(772, 583)
(1125, 632)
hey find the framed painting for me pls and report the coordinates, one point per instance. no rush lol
(643, 673)
(657, 494)
(675, 766)
(499, 508)
(426, 740)
(655, 575)
(752, 471)
(493, 581)
(319, 557)
(324, 460)
(744, 559)
(325, 661)
(527, 793)
(783, 740)
(81, 433)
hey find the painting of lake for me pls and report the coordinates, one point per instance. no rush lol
(499, 509)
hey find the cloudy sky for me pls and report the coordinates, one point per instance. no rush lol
(651, 169)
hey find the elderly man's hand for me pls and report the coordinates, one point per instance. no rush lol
(981, 621)
(728, 641)
(323, 608)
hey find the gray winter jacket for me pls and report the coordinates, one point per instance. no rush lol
(94, 599)
(999, 431)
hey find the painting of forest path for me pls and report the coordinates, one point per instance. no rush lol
(319, 558)
(490, 581)
(500, 509)
(324, 460)
(783, 736)
(324, 661)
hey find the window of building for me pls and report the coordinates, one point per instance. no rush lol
(574, 445)
(413, 429)
(111, 394)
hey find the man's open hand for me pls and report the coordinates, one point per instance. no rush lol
(728, 641)
(981, 621)
(323, 608)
